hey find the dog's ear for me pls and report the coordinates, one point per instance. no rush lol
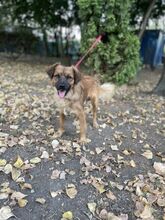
(77, 75)
(51, 69)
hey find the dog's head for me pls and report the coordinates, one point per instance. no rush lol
(63, 78)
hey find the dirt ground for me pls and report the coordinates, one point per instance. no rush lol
(119, 175)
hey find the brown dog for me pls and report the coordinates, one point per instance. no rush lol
(73, 89)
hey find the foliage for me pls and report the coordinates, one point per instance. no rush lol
(118, 58)
(139, 8)
(44, 14)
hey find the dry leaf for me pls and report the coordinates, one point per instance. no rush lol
(45, 155)
(5, 213)
(68, 215)
(55, 174)
(3, 195)
(114, 147)
(92, 207)
(19, 162)
(99, 150)
(71, 191)
(132, 163)
(26, 186)
(22, 203)
(110, 195)
(148, 154)
(112, 216)
(103, 214)
(35, 160)
(15, 174)
(17, 195)
(161, 201)
(40, 200)
(55, 193)
(2, 162)
(147, 212)
(8, 168)
(159, 168)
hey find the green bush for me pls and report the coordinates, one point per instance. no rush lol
(118, 59)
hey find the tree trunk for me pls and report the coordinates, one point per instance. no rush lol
(45, 41)
(145, 19)
(160, 88)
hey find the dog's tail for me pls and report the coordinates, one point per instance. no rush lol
(107, 91)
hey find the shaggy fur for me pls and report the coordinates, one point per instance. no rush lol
(72, 90)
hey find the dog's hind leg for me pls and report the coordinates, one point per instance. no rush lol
(94, 101)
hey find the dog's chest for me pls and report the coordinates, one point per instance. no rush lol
(64, 104)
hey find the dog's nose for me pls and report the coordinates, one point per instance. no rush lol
(62, 87)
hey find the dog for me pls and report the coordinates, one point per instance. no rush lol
(72, 90)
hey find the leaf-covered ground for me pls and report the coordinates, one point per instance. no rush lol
(119, 175)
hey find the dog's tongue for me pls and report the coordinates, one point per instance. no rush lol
(61, 94)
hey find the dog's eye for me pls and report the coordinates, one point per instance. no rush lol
(69, 77)
(57, 76)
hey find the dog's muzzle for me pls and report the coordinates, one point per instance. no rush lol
(62, 87)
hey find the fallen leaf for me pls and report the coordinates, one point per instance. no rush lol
(161, 201)
(132, 163)
(112, 216)
(45, 155)
(159, 168)
(55, 174)
(103, 214)
(3, 195)
(147, 212)
(35, 160)
(15, 174)
(2, 162)
(55, 193)
(17, 195)
(8, 168)
(19, 162)
(92, 207)
(68, 215)
(71, 191)
(40, 200)
(5, 213)
(22, 203)
(114, 147)
(110, 195)
(26, 186)
(148, 154)
(99, 150)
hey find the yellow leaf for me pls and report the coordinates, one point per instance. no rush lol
(35, 160)
(15, 174)
(92, 207)
(19, 162)
(22, 203)
(2, 162)
(68, 215)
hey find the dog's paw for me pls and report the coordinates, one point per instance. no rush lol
(95, 125)
(84, 141)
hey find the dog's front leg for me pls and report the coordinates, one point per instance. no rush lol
(61, 129)
(82, 120)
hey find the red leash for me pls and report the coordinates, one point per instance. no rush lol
(98, 39)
